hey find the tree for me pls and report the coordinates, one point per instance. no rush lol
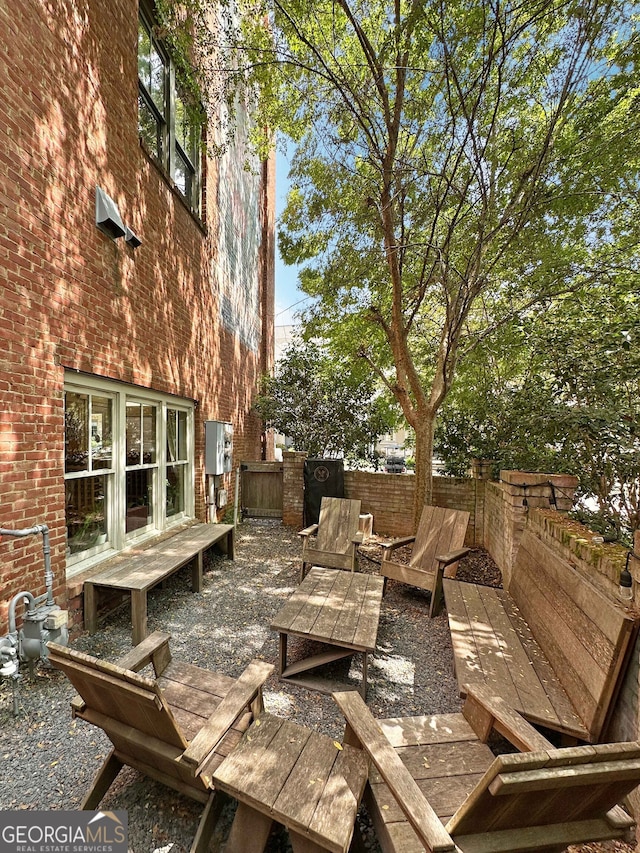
(457, 163)
(325, 404)
(564, 395)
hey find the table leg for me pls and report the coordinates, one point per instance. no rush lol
(139, 615)
(249, 831)
(363, 689)
(283, 653)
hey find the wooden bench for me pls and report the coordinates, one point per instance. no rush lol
(553, 646)
(140, 572)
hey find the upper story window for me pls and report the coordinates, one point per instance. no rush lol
(168, 125)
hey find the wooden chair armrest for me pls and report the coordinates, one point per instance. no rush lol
(308, 531)
(242, 694)
(452, 556)
(396, 543)
(153, 649)
(485, 712)
(364, 731)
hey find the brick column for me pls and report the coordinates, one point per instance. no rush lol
(293, 487)
(508, 505)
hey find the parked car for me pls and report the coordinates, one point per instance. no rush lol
(394, 465)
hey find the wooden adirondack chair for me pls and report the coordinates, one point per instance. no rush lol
(437, 786)
(437, 549)
(175, 728)
(336, 536)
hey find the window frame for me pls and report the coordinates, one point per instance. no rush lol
(170, 148)
(116, 477)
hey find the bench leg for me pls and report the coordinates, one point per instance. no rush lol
(138, 615)
(231, 544)
(90, 608)
(197, 566)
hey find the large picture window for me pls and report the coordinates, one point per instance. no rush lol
(128, 466)
(169, 123)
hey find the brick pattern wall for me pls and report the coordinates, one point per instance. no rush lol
(388, 497)
(507, 506)
(72, 298)
(293, 488)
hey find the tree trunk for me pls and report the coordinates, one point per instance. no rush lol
(424, 430)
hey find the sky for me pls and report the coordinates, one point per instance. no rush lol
(287, 293)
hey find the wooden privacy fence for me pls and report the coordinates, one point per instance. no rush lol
(261, 489)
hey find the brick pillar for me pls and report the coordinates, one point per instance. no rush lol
(293, 487)
(527, 489)
(521, 490)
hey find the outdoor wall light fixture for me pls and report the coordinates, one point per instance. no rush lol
(131, 238)
(108, 217)
(626, 581)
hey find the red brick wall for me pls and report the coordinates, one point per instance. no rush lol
(72, 298)
(389, 498)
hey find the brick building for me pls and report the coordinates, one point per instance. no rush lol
(117, 342)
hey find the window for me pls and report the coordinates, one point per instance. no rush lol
(128, 466)
(168, 121)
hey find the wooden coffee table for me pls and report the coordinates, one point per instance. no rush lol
(301, 779)
(337, 608)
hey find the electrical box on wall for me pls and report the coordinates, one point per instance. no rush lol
(218, 447)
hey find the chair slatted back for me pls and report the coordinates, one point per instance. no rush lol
(337, 525)
(440, 530)
(119, 694)
(554, 787)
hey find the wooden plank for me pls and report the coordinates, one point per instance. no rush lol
(490, 646)
(313, 661)
(260, 765)
(405, 790)
(334, 818)
(441, 728)
(338, 524)
(241, 694)
(288, 613)
(366, 633)
(323, 613)
(322, 683)
(297, 800)
(328, 582)
(529, 689)
(531, 840)
(562, 632)
(465, 651)
(446, 760)
(567, 718)
(469, 635)
(591, 676)
(347, 622)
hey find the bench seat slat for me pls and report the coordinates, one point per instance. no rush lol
(553, 646)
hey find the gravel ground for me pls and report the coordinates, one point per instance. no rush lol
(49, 760)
